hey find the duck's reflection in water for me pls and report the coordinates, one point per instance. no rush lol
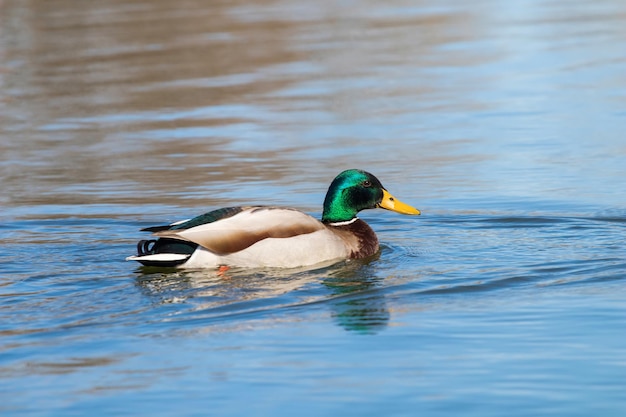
(359, 304)
(349, 288)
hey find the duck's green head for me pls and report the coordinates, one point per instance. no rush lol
(355, 190)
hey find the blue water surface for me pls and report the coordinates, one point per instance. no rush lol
(503, 123)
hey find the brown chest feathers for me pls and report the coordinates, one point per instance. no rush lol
(359, 238)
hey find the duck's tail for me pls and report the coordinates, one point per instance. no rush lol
(164, 252)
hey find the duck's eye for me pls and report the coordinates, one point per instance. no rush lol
(367, 183)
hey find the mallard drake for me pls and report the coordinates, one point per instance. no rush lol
(265, 236)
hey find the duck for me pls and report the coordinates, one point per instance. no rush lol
(275, 237)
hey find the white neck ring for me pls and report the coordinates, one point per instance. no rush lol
(343, 223)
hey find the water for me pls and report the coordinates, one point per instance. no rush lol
(503, 123)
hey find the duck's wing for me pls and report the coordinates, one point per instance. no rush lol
(234, 229)
(209, 217)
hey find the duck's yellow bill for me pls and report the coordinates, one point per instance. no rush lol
(391, 203)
